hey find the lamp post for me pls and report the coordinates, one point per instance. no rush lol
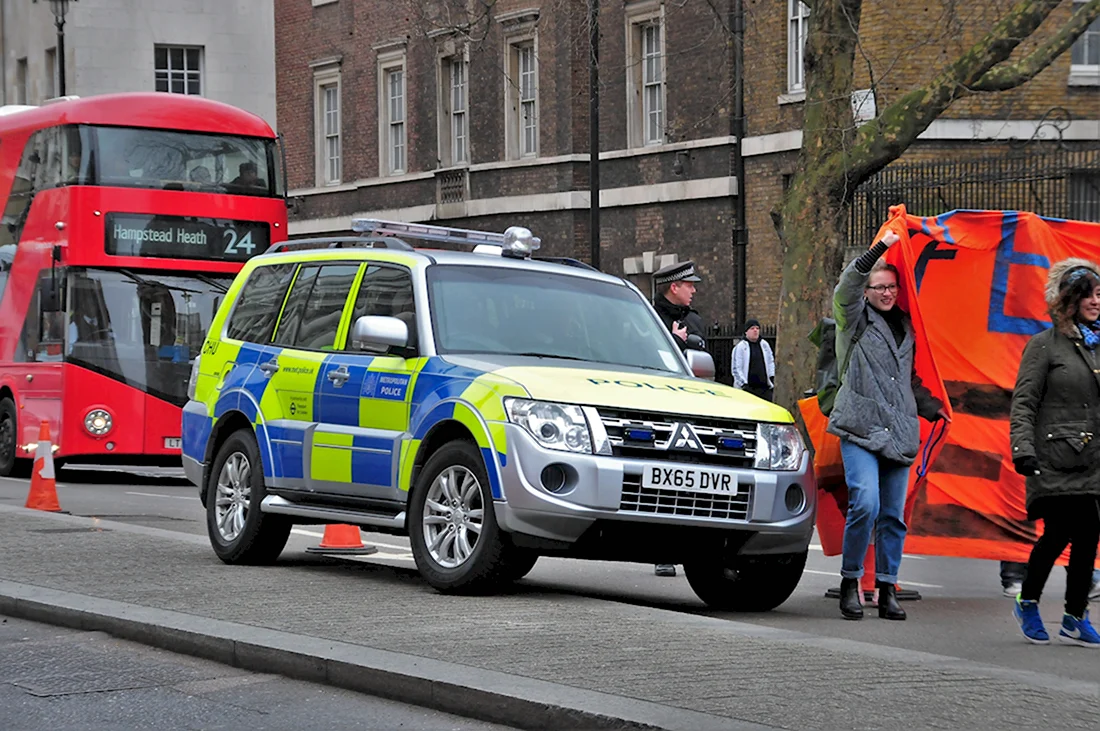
(60, 9)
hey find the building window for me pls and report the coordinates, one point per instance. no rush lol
(454, 131)
(1084, 67)
(522, 107)
(21, 81)
(645, 82)
(798, 20)
(393, 112)
(178, 69)
(51, 73)
(327, 123)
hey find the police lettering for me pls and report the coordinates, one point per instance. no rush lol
(659, 387)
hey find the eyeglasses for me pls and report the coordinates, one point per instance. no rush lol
(884, 288)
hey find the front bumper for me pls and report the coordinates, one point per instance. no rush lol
(602, 489)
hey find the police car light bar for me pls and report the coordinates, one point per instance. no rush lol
(423, 232)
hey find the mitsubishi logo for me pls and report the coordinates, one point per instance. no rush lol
(684, 438)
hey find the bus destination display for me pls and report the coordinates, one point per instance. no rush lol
(184, 237)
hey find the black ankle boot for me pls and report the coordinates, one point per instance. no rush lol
(850, 605)
(888, 607)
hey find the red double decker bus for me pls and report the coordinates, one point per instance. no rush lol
(126, 217)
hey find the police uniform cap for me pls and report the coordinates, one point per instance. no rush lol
(681, 272)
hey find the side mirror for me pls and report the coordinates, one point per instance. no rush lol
(701, 364)
(379, 334)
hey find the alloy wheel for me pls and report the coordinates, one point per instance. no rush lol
(453, 516)
(234, 493)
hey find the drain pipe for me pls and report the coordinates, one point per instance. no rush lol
(740, 227)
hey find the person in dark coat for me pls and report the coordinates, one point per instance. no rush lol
(675, 285)
(1055, 416)
(875, 416)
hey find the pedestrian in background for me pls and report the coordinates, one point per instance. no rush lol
(875, 416)
(753, 363)
(1055, 415)
(675, 285)
(1014, 572)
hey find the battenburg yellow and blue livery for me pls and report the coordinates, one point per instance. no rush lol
(493, 406)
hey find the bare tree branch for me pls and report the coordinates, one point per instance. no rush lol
(882, 141)
(1003, 78)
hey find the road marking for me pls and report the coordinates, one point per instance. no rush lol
(170, 497)
(816, 547)
(902, 583)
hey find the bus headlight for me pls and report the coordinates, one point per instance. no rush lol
(98, 422)
(554, 426)
(778, 447)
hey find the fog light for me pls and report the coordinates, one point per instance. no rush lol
(98, 422)
(553, 477)
(795, 499)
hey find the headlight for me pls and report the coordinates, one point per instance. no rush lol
(98, 422)
(554, 426)
(194, 379)
(778, 447)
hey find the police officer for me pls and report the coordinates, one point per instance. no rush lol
(675, 285)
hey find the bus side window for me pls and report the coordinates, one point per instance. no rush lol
(48, 174)
(22, 191)
(43, 334)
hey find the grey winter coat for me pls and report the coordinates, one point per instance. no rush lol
(880, 396)
(1056, 407)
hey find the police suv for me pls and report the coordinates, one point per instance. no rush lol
(492, 406)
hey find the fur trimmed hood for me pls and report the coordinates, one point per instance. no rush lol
(1054, 279)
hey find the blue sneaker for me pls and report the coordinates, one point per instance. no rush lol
(1027, 615)
(1078, 631)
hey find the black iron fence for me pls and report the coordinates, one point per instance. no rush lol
(1054, 181)
(720, 344)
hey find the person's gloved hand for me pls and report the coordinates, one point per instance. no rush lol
(1026, 466)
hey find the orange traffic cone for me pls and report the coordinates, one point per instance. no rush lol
(342, 540)
(43, 493)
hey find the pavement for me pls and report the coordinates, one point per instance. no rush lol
(531, 657)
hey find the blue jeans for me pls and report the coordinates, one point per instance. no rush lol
(876, 500)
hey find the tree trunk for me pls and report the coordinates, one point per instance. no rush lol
(813, 225)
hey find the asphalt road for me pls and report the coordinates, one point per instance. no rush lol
(962, 613)
(54, 678)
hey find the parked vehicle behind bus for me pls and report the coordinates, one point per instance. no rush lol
(126, 217)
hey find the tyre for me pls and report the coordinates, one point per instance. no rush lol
(10, 464)
(752, 584)
(239, 532)
(458, 547)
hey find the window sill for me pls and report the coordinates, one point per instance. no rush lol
(794, 97)
(317, 3)
(1084, 78)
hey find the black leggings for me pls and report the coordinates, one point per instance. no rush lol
(1073, 521)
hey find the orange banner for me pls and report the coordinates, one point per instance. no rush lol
(978, 277)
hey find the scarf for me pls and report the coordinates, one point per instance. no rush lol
(1091, 333)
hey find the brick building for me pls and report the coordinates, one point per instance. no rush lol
(391, 112)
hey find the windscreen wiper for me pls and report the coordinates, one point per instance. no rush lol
(151, 283)
(212, 282)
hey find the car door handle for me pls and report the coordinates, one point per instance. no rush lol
(269, 368)
(339, 376)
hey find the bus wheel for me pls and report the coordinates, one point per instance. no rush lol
(239, 532)
(9, 440)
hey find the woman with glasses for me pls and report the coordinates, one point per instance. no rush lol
(1053, 423)
(875, 416)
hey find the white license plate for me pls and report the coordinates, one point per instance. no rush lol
(173, 443)
(692, 479)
